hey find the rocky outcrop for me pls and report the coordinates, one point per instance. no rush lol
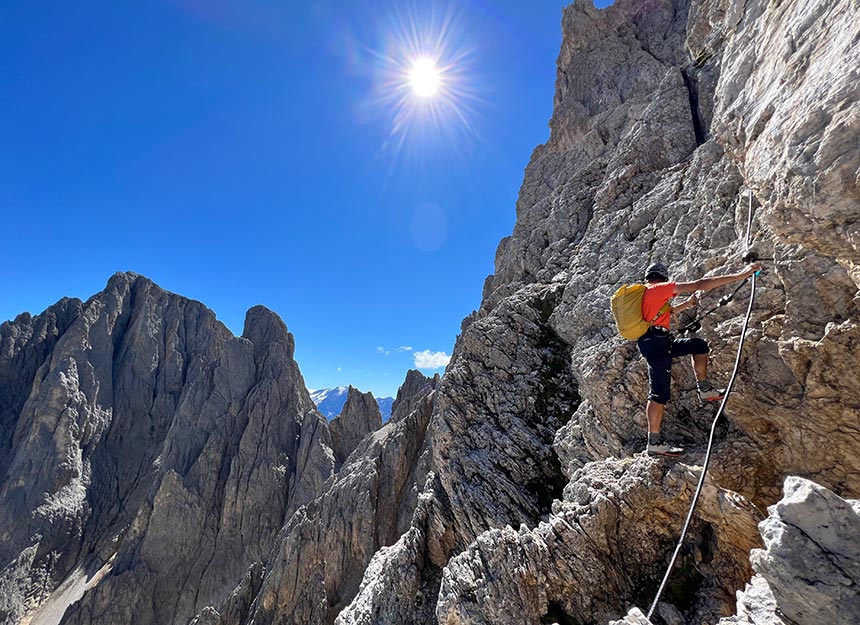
(152, 438)
(637, 169)
(693, 214)
(360, 416)
(634, 617)
(316, 566)
(755, 606)
(600, 548)
(811, 559)
(788, 113)
(809, 570)
(491, 455)
(414, 387)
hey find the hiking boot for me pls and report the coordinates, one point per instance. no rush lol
(663, 448)
(712, 394)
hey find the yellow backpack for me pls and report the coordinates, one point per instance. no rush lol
(626, 305)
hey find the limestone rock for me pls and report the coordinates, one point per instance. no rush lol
(414, 387)
(485, 444)
(634, 617)
(25, 344)
(604, 546)
(360, 416)
(230, 466)
(151, 438)
(492, 442)
(401, 582)
(135, 427)
(756, 606)
(239, 603)
(639, 167)
(690, 210)
(811, 559)
(788, 110)
(316, 566)
(809, 570)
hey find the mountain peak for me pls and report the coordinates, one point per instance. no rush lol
(264, 327)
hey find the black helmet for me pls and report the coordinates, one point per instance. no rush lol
(657, 271)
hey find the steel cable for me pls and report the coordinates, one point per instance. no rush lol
(713, 430)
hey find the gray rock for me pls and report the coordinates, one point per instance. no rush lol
(414, 387)
(811, 559)
(799, 143)
(154, 439)
(639, 166)
(756, 605)
(316, 566)
(634, 617)
(809, 570)
(401, 582)
(360, 416)
(137, 428)
(601, 548)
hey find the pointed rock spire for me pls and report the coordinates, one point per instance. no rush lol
(360, 416)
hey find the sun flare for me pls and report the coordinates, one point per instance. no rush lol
(425, 78)
(424, 84)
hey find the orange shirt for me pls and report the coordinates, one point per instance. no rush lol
(657, 294)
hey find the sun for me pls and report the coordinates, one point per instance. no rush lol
(423, 82)
(424, 78)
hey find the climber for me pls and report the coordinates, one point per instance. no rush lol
(659, 347)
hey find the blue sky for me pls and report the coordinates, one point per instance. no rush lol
(244, 152)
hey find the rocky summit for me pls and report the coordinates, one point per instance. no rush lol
(156, 469)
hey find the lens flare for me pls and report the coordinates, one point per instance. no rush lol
(423, 82)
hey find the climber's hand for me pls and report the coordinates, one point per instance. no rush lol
(751, 269)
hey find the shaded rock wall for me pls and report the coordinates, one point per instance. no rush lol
(360, 416)
(318, 559)
(153, 438)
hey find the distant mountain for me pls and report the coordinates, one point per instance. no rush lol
(330, 401)
(385, 407)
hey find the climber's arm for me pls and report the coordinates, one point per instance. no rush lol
(707, 284)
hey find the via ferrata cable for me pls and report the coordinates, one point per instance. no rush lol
(713, 430)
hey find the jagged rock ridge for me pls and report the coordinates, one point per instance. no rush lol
(360, 416)
(331, 401)
(154, 442)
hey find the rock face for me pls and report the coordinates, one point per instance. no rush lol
(190, 468)
(811, 559)
(153, 439)
(599, 546)
(634, 617)
(319, 556)
(360, 416)
(756, 605)
(648, 159)
(809, 570)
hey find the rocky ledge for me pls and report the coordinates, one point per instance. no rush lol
(809, 571)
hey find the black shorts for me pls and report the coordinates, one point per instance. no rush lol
(659, 347)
